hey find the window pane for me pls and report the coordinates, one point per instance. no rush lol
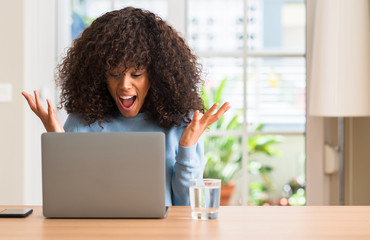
(215, 25)
(276, 25)
(224, 83)
(93, 8)
(276, 170)
(276, 94)
(159, 7)
(84, 12)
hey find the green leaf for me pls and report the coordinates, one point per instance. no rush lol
(260, 127)
(220, 90)
(205, 97)
(265, 169)
(234, 123)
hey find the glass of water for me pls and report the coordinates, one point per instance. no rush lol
(204, 198)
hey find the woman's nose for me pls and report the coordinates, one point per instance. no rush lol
(126, 82)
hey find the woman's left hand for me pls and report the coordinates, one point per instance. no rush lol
(200, 123)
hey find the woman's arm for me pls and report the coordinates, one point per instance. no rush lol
(190, 156)
(48, 118)
(189, 164)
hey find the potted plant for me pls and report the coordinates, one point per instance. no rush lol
(223, 153)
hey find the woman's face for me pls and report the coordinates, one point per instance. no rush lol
(128, 89)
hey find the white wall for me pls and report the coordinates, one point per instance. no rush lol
(27, 62)
(317, 189)
(12, 114)
(40, 61)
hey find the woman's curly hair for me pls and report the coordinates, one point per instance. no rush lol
(138, 38)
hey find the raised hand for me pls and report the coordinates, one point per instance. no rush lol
(48, 118)
(200, 123)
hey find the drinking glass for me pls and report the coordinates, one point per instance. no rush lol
(204, 198)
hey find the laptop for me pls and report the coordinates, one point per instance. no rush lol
(103, 175)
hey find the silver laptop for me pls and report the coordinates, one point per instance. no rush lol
(103, 175)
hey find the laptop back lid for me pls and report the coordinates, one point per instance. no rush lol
(103, 175)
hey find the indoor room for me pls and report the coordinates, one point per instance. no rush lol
(287, 140)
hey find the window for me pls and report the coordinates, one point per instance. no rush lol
(253, 55)
(255, 52)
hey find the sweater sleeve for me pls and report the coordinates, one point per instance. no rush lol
(189, 164)
(72, 124)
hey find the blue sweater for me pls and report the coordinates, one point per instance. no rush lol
(182, 163)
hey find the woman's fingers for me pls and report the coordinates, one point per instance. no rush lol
(38, 102)
(196, 115)
(213, 118)
(54, 124)
(222, 110)
(41, 112)
(211, 110)
(30, 100)
(48, 118)
(35, 105)
(50, 109)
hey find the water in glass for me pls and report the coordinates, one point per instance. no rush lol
(205, 201)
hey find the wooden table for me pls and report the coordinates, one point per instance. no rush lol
(326, 222)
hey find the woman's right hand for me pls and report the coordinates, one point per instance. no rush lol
(48, 118)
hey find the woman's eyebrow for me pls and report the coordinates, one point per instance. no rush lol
(139, 69)
(117, 69)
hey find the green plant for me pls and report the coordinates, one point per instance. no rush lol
(223, 153)
(259, 191)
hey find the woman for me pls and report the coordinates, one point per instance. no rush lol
(131, 71)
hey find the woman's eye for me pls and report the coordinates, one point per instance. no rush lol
(114, 75)
(137, 75)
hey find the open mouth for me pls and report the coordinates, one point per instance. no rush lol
(127, 102)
